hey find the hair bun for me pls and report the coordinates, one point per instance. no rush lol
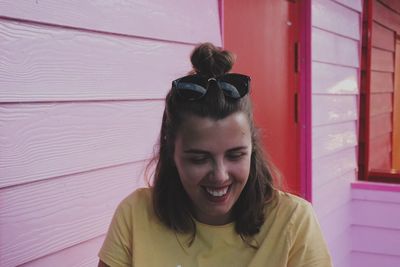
(211, 61)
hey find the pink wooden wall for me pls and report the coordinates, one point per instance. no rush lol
(375, 229)
(361, 221)
(336, 39)
(81, 94)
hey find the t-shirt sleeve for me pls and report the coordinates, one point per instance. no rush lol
(308, 247)
(117, 247)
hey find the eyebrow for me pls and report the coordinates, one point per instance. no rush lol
(199, 151)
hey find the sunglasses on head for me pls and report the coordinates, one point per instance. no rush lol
(193, 87)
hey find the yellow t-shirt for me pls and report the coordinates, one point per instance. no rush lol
(289, 237)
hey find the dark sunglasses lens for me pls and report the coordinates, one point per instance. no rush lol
(191, 87)
(229, 89)
(235, 85)
(190, 91)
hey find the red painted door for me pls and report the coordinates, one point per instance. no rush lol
(263, 34)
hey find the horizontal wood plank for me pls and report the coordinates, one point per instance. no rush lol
(354, 4)
(178, 20)
(329, 109)
(40, 63)
(336, 223)
(366, 259)
(376, 240)
(380, 124)
(41, 218)
(342, 51)
(333, 195)
(380, 152)
(327, 168)
(340, 250)
(377, 195)
(381, 103)
(40, 141)
(393, 4)
(382, 37)
(329, 139)
(376, 222)
(382, 60)
(376, 214)
(381, 82)
(386, 17)
(333, 17)
(82, 255)
(333, 79)
(380, 162)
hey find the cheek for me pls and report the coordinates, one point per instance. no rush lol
(191, 174)
(242, 171)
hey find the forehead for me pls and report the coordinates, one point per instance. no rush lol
(234, 130)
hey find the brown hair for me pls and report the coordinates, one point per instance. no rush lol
(170, 201)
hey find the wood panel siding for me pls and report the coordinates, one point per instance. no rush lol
(396, 111)
(42, 141)
(382, 60)
(382, 147)
(381, 82)
(335, 194)
(392, 4)
(381, 103)
(82, 255)
(41, 218)
(385, 16)
(383, 37)
(334, 79)
(347, 20)
(177, 21)
(343, 51)
(334, 109)
(82, 92)
(375, 228)
(366, 259)
(329, 167)
(353, 4)
(57, 64)
(335, 90)
(385, 24)
(383, 125)
(389, 237)
(328, 139)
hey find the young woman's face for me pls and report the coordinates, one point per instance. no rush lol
(213, 161)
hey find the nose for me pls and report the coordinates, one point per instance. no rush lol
(220, 172)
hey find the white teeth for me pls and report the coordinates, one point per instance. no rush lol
(217, 192)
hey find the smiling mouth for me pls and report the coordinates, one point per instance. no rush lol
(217, 194)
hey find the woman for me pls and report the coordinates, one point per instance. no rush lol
(213, 201)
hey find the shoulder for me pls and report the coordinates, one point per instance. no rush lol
(300, 217)
(293, 226)
(137, 197)
(289, 211)
(289, 204)
(135, 205)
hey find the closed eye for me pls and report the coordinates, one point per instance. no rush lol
(237, 155)
(198, 160)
